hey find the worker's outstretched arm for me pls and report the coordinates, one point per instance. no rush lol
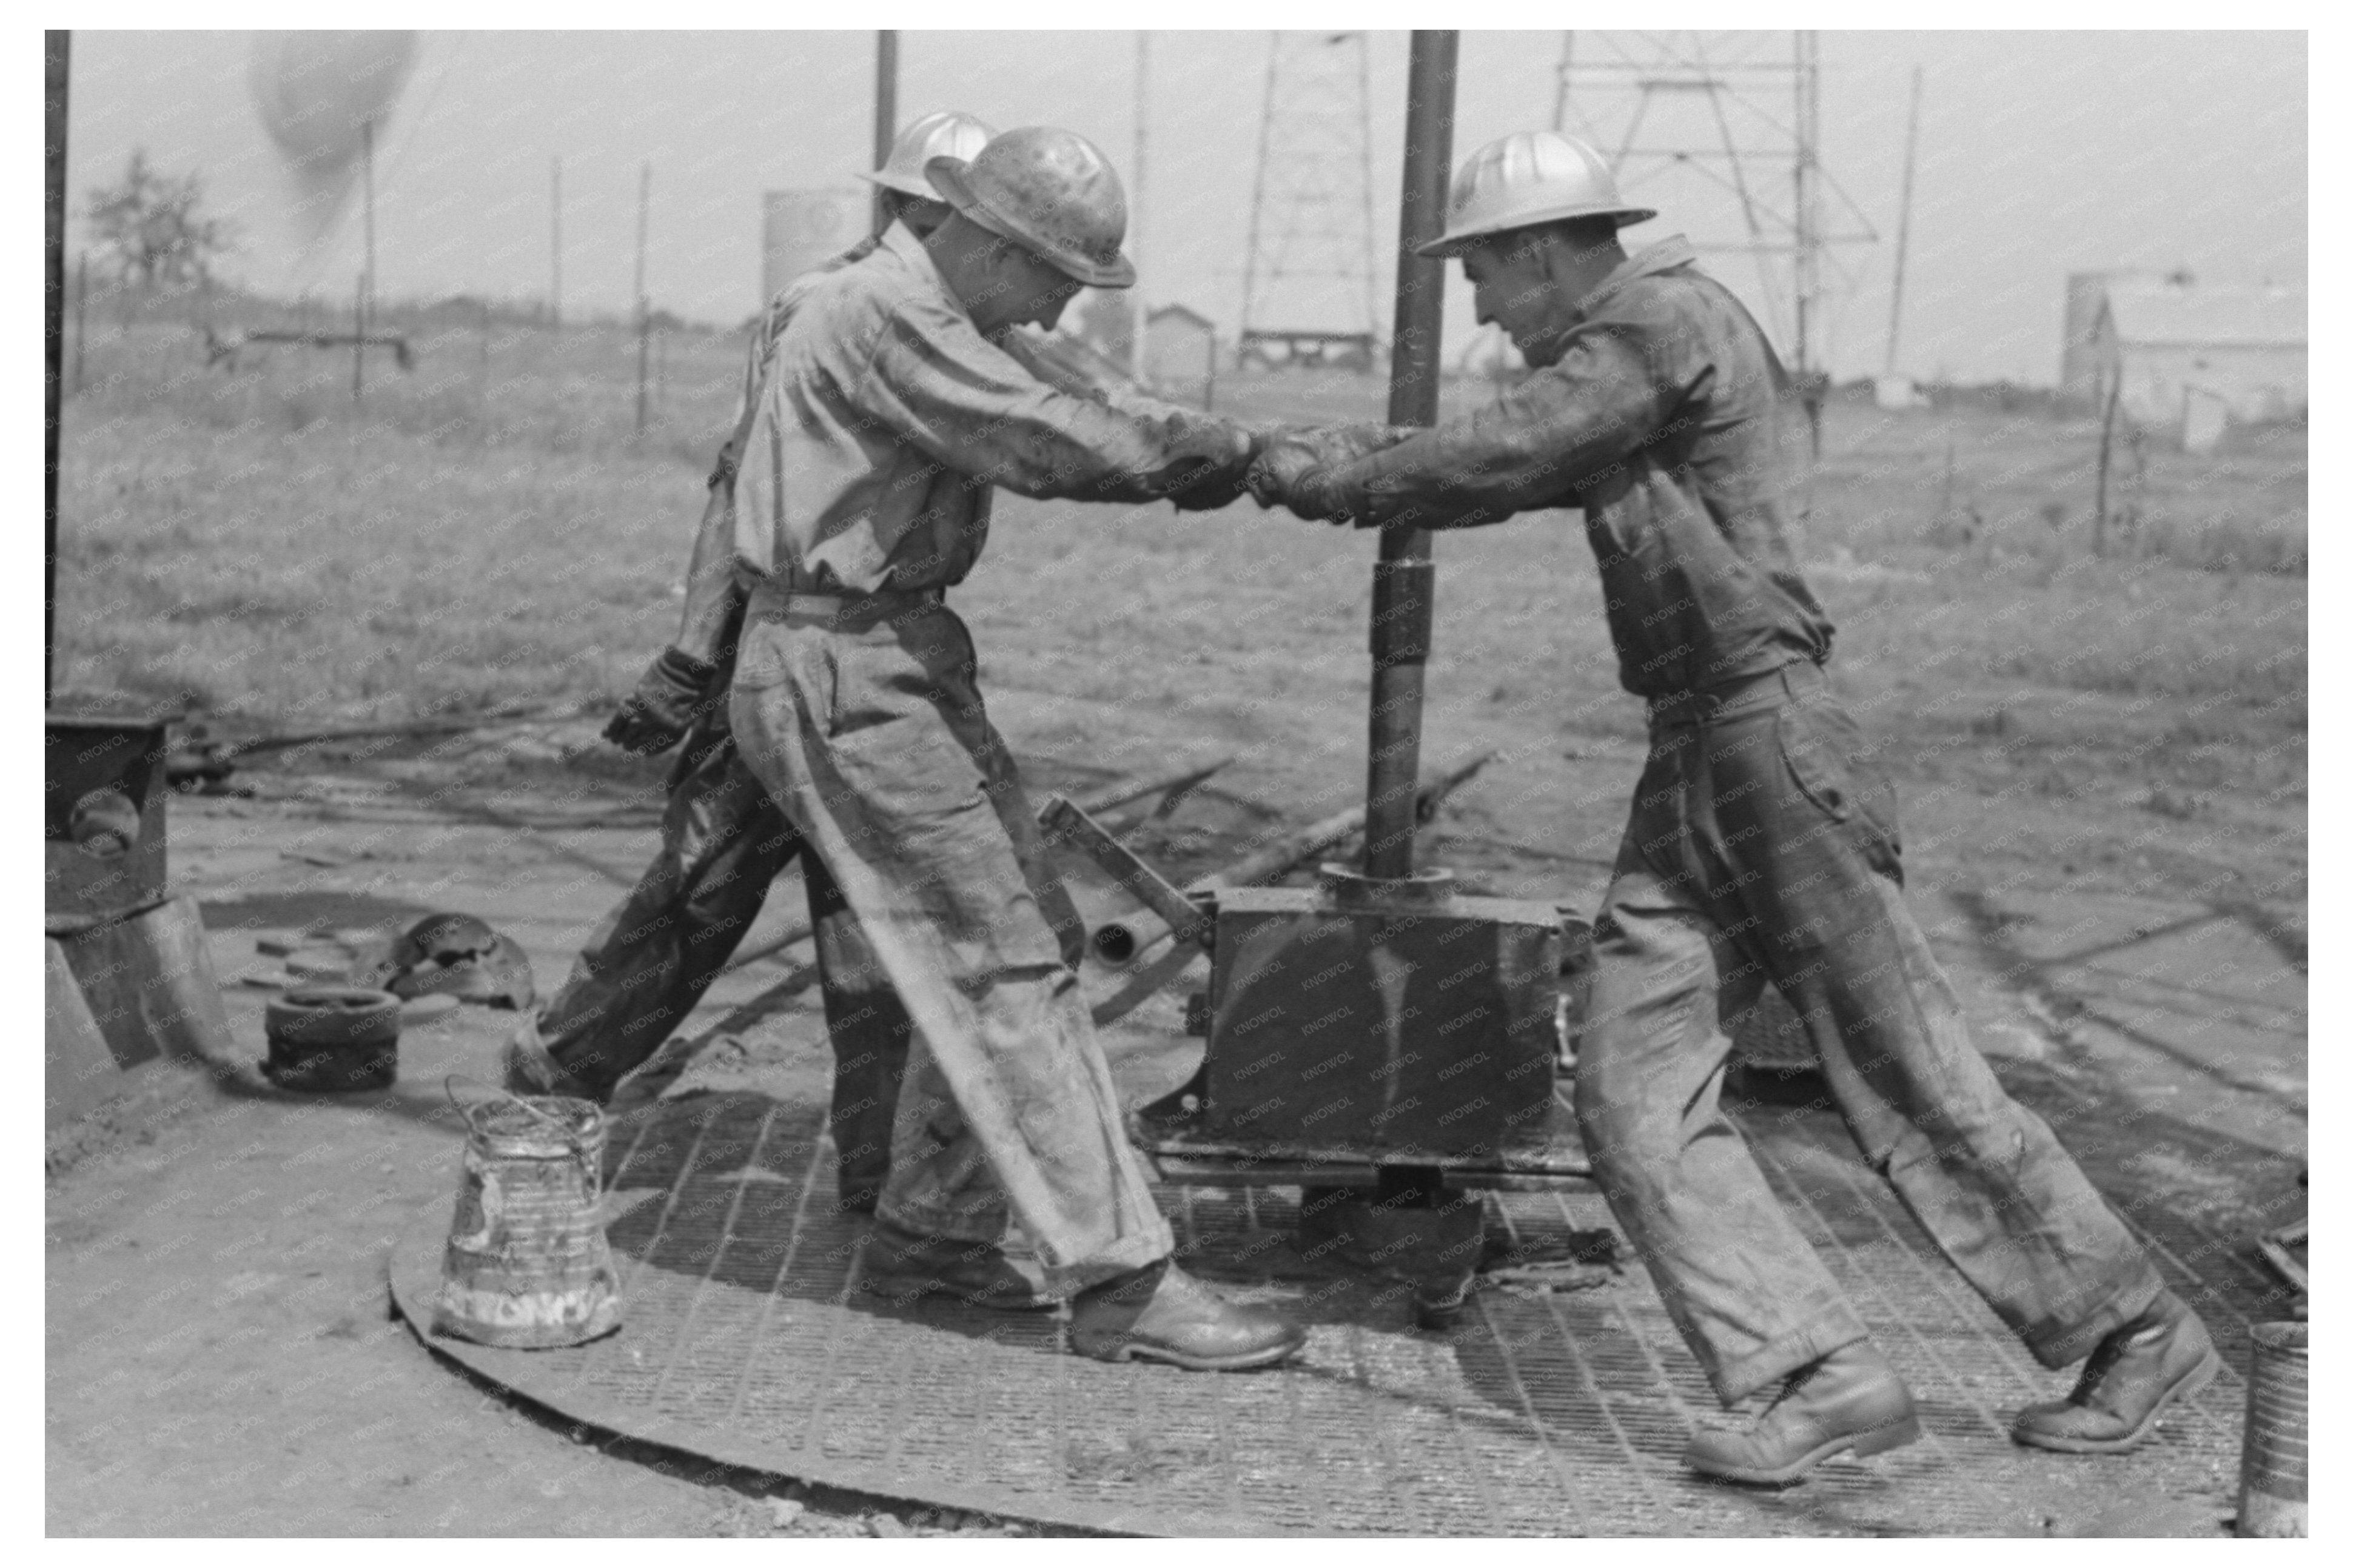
(974, 408)
(1556, 433)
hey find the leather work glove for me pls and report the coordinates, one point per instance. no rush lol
(1316, 494)
(674, 689)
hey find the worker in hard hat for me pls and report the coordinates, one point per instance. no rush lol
(649, 961)
(1762, 846)
(889, 412)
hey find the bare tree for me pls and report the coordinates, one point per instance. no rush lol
(154, 228)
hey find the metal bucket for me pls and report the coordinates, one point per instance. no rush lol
(2274, 1458)
(527, 1266)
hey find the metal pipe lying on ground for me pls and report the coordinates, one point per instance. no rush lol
(1166, 784)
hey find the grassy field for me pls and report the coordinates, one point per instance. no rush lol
(491, 528)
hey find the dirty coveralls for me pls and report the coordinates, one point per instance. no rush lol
(865, 493)
(1762, 846)
(646, 965)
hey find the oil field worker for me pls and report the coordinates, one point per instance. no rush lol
(1761, 846)
(648, 964)
(889, 415)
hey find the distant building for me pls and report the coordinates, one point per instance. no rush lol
(2181, 357)
(1181, 352)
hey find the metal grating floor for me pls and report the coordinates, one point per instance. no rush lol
(1543, 1414)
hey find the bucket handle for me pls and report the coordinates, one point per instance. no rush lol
(450, 1086)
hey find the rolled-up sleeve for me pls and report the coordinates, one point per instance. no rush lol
(972, 408)
(1559, 430)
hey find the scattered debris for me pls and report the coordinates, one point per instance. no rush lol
(1579, 1260)
(319, 964)
(200, 763)
(783, 1511)
(2288, 1249)
(886, 1527)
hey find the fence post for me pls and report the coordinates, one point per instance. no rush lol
(2100, 502)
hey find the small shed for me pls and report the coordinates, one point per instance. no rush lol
(1181, 352)
(2179, 355)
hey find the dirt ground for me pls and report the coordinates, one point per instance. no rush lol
(219, 1356)
(2101, 762)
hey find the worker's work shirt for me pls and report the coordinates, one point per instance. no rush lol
(886, 418)
(1662, 412)
(762, 352)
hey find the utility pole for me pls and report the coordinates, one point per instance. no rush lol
(367, 221)
(1560, 82)
(886, 107)
(644, 198)
(1136, 314)
(57, 72)
(1404, 578)
(556, 240)
(1903, 223)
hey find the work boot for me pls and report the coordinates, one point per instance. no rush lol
(531, 1070)
(1850, 1401)
(2162, 1355)
(1159, 1312)
(900, 1264)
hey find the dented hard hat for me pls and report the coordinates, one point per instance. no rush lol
(456, 955)
(1049, 191)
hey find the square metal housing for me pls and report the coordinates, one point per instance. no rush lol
(1420, 1037)
(86, 755)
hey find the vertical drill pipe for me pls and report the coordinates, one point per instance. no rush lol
(1137, 317)
(886, 107)
(58, 47)
(1404, 577)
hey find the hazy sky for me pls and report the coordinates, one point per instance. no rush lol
(2040, 154)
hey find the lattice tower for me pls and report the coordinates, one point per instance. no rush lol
(1722, 133)
(1311, 266)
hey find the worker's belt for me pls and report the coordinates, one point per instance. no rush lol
(784, 597)
(1742, 695)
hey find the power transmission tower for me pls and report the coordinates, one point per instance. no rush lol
(1309, 294)
(1722, 133)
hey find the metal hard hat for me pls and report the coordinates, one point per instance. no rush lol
(461, 955)
(1528, 178)
(949, 134)
(1051, 192)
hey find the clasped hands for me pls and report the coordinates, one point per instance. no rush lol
(1299, 468)
(1291, 466)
